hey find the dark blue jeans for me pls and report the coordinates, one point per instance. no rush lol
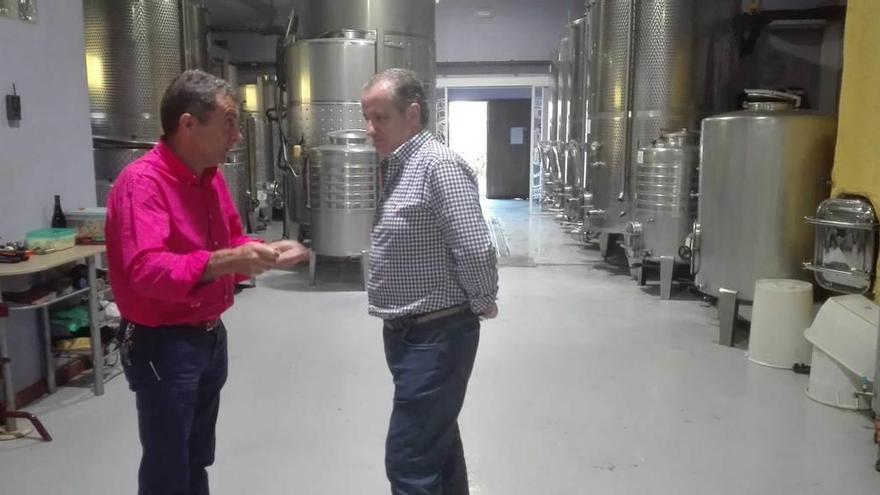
(176, 374)
(431, 364)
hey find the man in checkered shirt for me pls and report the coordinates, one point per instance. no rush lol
(432, 277)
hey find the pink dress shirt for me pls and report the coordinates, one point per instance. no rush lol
(163, 222)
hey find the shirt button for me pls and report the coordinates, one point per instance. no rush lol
(216, 243)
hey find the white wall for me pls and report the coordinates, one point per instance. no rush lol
(50, 152)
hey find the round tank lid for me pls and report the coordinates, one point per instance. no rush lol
(678, 138)
(768, 100)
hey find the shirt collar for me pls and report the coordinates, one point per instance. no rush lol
(409, 147)
(177, 168)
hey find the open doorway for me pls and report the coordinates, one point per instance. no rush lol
(491, 129)
(468, 134)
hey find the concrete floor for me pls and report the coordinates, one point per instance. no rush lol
(585, 383)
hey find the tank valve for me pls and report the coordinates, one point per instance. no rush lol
(685, 253)
(634, 228)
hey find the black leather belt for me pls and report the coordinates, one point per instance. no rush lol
(208, 326)
(204, 326)
(422, 318)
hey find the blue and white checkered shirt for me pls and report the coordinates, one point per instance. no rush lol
(431, 248)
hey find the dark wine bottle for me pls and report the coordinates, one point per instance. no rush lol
(58, 220)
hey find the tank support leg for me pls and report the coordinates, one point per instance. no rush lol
(667, 268)
(365, 267)
(642, 275)
(727, 310)
(604, 244)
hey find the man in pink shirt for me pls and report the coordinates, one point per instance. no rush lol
(175, 250)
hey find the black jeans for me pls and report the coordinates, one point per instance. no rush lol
(176, 374)
(431, 364)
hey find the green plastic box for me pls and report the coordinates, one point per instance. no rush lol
(50, 240)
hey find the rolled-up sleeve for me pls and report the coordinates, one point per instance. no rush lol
(153, 270)
(455, 201)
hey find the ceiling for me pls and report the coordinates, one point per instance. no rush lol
(256, 13)
(248, 13)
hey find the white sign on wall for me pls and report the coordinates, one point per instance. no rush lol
(517, 135)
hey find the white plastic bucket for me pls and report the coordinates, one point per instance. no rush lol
(782, 311)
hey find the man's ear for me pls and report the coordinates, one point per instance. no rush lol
(414, 113)
(185, 121)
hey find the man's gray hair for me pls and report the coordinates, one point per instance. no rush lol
(406, 88)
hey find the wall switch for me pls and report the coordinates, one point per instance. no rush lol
(13, 107)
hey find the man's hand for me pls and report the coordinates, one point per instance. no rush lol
(249, 259)
(290, 253)
(254, 258)
(490, 312)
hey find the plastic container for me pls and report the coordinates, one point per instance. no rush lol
(844, 338)
(50, 240)
(783, 310)
(89, 224)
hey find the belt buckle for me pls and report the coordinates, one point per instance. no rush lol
(210, 326)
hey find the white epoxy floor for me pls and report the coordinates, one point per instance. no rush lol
(585, 384)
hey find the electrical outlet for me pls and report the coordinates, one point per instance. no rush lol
(13, 107)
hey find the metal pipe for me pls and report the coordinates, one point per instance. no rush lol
(843, 273)
(630, 97)
(133, 143)
(840, 224)
(270, 30)
(555, 150)
(292, 25)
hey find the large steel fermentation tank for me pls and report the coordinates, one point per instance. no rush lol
(584, 103)
(553, 175)
(111, 156)
(554, 150)
(763, 170)
(235, 172)
(257, 135)
(261, 167)
(641, 81)
(342, 44)
(572, 142)
(133, 50)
